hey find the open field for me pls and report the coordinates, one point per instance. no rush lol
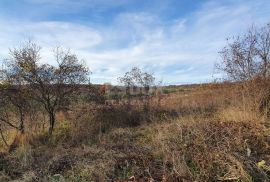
(135, 91)
(196, 133)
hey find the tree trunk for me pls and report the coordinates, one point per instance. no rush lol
(128, 97)
(52, 122)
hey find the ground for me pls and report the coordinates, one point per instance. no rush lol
(196, 133)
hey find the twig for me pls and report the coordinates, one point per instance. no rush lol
(3, 138)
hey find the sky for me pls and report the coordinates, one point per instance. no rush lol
(177, 40)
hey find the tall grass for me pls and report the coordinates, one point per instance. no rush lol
(205, 133)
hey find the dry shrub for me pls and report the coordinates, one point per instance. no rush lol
(90, 127)
(4, 177)
(205, 134)
(93, 164)
(256, 95)
(240, 114)
(211, 150)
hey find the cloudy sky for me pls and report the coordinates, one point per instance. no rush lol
(178, 40)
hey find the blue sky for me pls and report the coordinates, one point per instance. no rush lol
(178, 40)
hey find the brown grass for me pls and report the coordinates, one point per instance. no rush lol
(205, 133)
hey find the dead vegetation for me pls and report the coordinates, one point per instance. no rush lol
(205, 139)
(207, 132)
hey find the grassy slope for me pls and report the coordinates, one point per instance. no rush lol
(200, 135)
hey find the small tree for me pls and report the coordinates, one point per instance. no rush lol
(49, 85)
(128, 82)
(136, 78)
(247, 59)
(148, 80)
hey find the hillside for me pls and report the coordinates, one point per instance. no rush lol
(195, 133)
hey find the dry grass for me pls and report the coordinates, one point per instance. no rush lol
(200, 134)
(212, 150)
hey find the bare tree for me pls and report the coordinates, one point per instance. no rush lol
(246, 57)
(50, 85)
(136, 78)
(263, 50)
(128, 82)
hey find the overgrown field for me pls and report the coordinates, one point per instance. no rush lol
(190, 133)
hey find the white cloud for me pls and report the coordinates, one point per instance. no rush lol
(183, 50)
(48, 35)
